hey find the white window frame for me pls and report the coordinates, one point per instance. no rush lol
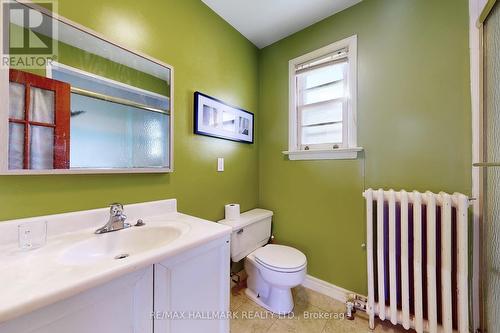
(349, 149)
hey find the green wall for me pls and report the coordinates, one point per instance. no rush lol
(207, 55)
(414, 124)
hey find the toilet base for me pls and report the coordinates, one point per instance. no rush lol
(279, 301)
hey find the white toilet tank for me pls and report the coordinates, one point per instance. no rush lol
(250, 231)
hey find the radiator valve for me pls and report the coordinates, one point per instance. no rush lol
(350, 310)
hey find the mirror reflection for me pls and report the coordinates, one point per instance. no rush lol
(96, 106)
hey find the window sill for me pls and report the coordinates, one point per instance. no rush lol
(337, 154)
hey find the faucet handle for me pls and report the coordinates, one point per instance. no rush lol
(116, 209)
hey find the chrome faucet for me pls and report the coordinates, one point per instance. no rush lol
(116, 220)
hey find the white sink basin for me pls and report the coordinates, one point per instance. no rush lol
(119, 244)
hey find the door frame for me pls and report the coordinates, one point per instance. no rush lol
(478, 11)
(475, 45)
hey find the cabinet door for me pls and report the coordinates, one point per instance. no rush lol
(123, 305)
(192, 291)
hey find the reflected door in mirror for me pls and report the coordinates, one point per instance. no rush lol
(39, 122)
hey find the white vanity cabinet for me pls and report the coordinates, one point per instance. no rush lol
(122, 305)
(192, 290)
(181, 291)
(170, 275)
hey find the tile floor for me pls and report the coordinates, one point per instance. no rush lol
(313, 313)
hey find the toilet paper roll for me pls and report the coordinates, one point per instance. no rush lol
(232, 211)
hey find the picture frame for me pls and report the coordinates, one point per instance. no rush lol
(215, 118)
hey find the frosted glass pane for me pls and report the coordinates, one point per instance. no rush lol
(42, 105)
(492, 248)
(322, 114)
(16, 146)
(111, 135)
(324, 93)
(322, 134)
(150, 138)
(491, 225)
(41, 148)
(323, 75)
(16, 100)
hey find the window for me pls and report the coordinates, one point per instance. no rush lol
(322, 122)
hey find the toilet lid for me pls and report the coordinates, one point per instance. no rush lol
(280, 257)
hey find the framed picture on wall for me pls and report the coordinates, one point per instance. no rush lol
(215, 118)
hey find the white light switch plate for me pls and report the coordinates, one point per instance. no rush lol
(220, 164)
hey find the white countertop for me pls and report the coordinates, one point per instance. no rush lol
(30, 280)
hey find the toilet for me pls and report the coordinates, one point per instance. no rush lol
(273, 270)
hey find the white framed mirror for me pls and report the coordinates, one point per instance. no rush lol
(75, 102)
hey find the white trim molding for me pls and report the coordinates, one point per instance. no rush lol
(349, 148)
(337, 293)
(335, 154)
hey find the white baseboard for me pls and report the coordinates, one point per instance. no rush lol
(338, 293)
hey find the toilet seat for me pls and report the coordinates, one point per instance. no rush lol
(280, 258)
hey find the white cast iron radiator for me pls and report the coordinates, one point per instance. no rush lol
(417, 251)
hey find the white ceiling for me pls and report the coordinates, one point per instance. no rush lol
(266, 21)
